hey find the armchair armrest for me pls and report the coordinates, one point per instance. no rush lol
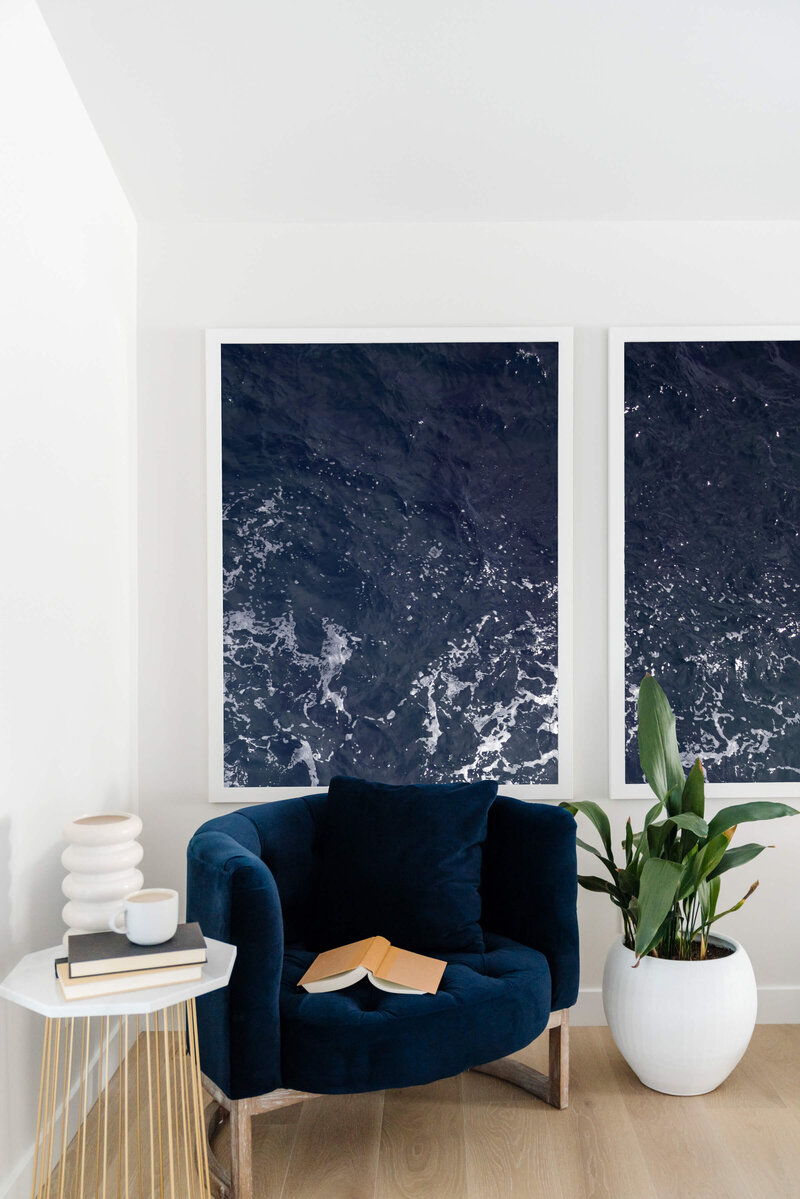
(530, 886)
(232, 893)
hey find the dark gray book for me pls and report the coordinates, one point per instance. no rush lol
(113, 953)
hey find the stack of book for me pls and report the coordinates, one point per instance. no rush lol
(107, 963)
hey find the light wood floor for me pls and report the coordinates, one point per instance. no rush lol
(474, 1137)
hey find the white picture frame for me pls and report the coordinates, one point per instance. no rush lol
(219, 792)
(618, 339)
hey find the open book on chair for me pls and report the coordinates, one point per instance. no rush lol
(386, 967)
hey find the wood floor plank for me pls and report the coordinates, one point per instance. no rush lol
(422, 1143)
(336, 1148)
(516, 1146)
(614, 1161)
(764, 1149)
(678, 1137)
(775, 1052)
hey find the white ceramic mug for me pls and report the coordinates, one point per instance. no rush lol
(148, 917)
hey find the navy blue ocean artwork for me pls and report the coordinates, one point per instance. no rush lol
(712, 550)
(390, 562)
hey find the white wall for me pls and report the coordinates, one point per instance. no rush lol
(586, 275)
(67, 374)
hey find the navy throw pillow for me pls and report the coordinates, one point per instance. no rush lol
(404, 862)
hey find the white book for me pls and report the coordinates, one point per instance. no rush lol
(130, 980)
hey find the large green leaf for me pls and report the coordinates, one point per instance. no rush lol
(598, 818)
(628, 882)
(693, 804)
(590, 882)
(656, 836)
(639, 840)
(736, 857)
(688, 820)
(658, 746)
(743, 813)
(661, 836)
(694, 790)
(652, 813)
(698, 867)
(657, 890)
(675, 800)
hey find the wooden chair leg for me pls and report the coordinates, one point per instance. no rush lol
(559, 1062)
(241, 1149)
(552, 1087)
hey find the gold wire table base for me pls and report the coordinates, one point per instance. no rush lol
(144, 1137)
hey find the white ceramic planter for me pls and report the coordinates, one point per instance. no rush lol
(681, 1026)
(102, 858)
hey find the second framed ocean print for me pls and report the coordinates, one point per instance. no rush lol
(705, 550)
(389, 558)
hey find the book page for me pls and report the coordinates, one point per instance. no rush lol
(411, 970)
(395, 988)
(133, 980)
(345, 958)
(335, 982)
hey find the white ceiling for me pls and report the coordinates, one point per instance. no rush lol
(364, 110)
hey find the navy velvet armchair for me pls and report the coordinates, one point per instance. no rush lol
(253, 881)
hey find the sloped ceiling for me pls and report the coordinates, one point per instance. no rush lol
(451, 110)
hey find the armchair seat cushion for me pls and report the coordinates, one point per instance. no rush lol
(488, 1005)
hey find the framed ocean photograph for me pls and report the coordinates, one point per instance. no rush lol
(704, 517)
(389, 517)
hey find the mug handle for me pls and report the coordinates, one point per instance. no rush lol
(112, 922)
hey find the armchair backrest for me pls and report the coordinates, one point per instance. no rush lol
(285, 835)
(530, 886)
(290, 845)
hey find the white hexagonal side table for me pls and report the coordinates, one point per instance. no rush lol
(158, 1028)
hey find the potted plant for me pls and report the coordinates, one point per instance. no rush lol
(680, 1001)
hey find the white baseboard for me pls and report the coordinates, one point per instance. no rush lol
(589, 1008)
(779, 1005)
(776, 1005)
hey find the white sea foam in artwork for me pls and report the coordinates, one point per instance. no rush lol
(336, 649)
(304, 755)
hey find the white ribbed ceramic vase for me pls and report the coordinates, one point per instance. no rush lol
(102, 858)
(681, 1026)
